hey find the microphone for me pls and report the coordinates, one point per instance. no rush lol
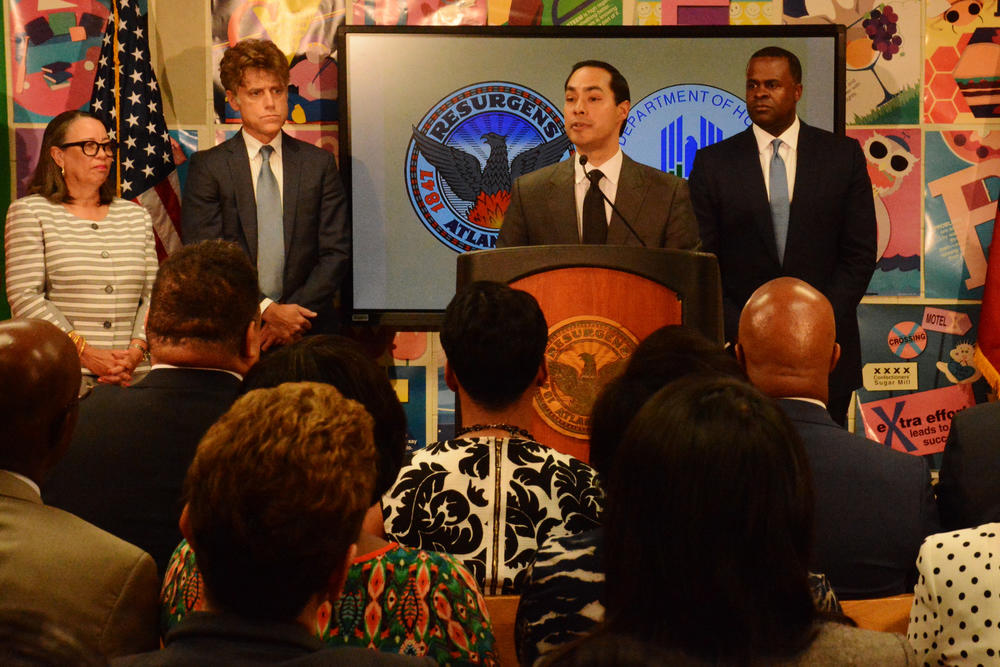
(593, 178)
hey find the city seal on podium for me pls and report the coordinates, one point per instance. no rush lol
(583, 354)
(465, 153)
(666, 128)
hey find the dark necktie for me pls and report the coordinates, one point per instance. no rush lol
(779, 200)
(270, 229)
(595, 220)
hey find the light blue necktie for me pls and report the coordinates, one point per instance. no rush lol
(270, 229)
(779, 199)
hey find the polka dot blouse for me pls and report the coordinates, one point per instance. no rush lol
(955, 619)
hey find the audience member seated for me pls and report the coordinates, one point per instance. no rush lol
(967, 490)
(386, 581)
(562, 594)
(874, 505)
(275, 497)
(32, 639)
(94, 585)
(955, 619)
(717, 574)
(492, 495)
(133, 445)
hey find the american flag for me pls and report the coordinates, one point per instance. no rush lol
(127, 96)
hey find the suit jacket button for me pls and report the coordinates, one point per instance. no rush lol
(105, 254)
(107, 324)
(109, 289)
(93, 225)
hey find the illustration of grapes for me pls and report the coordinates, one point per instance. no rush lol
(879, 40)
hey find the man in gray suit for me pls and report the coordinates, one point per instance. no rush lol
(874, 505)
(563, 204)
(99, 588)
(279, 198)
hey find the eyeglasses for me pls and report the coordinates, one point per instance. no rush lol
(90, 148)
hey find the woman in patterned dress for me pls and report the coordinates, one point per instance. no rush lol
(396, 599)
(80, 257)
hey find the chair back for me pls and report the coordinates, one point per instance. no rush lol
(503, 610)
(891, 614)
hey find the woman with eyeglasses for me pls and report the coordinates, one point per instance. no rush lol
(80, 257)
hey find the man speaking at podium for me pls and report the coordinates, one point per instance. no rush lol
(599, 196)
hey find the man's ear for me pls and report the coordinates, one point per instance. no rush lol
(449, 377)
(251, 341)
(233, 102)
(543, 373)
(834, 356)
(740, 356)
(184, 523)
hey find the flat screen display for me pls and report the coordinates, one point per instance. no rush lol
(436, 123)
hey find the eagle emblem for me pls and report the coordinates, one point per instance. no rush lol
(583, 355)
(487, 188)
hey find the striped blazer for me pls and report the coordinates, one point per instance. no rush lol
(94, 277)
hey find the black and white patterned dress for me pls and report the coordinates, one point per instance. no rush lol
(491, 502)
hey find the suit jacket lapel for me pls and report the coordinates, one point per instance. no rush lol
(808, 167)
(246, 204)
(631, 191)
(562, 204)
(291, 167)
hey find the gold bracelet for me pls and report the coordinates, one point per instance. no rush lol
(141, 348)
(79, 341)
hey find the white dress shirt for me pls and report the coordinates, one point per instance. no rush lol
(788, 152)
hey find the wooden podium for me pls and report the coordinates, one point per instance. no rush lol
(599, 302)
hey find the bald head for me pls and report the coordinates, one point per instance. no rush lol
(787, 339)
(39, 383)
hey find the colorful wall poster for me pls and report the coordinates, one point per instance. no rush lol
(883, 55)
(53, 47)
(581, 12)
(184, 143)
(893, 156)
(962, 61)
(410, 383)
(419, 12)
(962, 174)
(304, 30)
(923, 353)
(755, 12)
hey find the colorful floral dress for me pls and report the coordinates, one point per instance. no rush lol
(396, 599)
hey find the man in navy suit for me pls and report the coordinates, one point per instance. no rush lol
(874, 505)
(133, 445)
(809, 213)
(279, 198)
(550, 205)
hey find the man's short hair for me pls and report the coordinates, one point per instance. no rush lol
(494, 337)
(206, 292)
(619, 86)
(276, 495)
(251, 54)
(794, 66)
